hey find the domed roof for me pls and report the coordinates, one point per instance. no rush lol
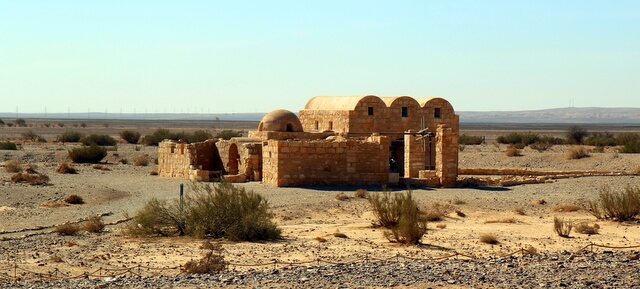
(280, 120)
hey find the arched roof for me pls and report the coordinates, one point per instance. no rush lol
(390, 100)
(425, 101)
(280, 120)
(335, 102)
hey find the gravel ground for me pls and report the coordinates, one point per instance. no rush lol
(306, 213)
(565, 270)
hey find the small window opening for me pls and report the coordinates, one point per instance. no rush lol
(289, 127)
(405, 111)
(331, 125)
(437, 113)
(370, 110)
(317, 125)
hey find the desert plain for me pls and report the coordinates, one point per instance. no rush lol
(318, 227)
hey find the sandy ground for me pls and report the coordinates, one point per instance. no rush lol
(516, 215)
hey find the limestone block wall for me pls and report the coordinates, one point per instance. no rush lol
(174, 159)
(414, 156)
(305, 163)
(447, 155)
(322, 120)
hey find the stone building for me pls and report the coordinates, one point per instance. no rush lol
(365, 140)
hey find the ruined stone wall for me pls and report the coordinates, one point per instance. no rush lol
(414, 156)
(305, 163)
(241, 156)
(174, 159)
(188, 161)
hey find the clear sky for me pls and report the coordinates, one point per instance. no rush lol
(257, 56)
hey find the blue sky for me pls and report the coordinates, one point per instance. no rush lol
(257, 56)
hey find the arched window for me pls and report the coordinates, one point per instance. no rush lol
(330, 125)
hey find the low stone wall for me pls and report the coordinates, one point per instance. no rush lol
(308, 163)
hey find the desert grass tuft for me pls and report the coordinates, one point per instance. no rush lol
(12, 166)
(568, 208)
(141, 161)
(441, 226)
(577, 153)
(33, 178)
(585, 228)
(520, 211)
(74, 199)
(67, 229)
(342, 197)
(460, 213)
(513, 152)
(561, 227)
(320, 239)
(153, 173)
(213, 261)
(619, 206)
(361, 193)
(489, 238)
(93, 225)
(66, 168)
(339, 235)
(531, 250)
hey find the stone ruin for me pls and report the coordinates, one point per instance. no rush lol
(363, 141)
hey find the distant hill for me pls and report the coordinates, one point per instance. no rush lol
(556, 115)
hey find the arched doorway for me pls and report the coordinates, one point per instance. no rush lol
(234, 160)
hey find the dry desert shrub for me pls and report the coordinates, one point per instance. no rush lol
(87, 154)
(540, 202)
(101, 167)
(619, 206)
(342, 197)
(218, 211)
(123, 161)
(66, 168)
(153, 173)
(577, 153)
(320, 239)
(513, 152)
(520, 211)
(12, 166)
(362, 193)
(93, 225)
(339, 235)
(74, 200)
(568, 208)
(399, 213)
(561, 227)
(30, 178)
(213, 261)
(585, 228)
(441, 226)
(141, 161)
(7, 145)
(67, 229)
(502, 221)
(489, 238)
(541, 146)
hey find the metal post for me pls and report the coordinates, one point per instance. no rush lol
(181, 200)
